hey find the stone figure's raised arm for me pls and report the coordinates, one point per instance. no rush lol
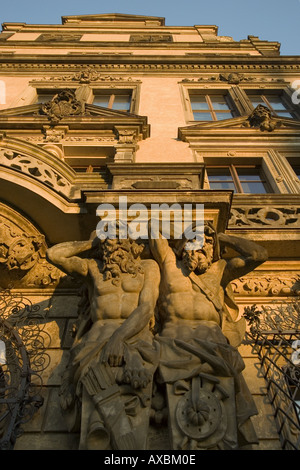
(251, 256)
(159, 246)
(64, 256)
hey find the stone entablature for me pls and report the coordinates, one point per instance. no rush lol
(102, 29)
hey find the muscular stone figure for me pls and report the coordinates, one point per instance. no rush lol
(209, 403)
(113, 357)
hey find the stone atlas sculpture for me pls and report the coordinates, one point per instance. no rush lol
(158, 330)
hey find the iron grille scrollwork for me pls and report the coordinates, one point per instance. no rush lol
(23, 341)
(274, 333)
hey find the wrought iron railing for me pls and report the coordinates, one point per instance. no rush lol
(274, 333)
(23, 357)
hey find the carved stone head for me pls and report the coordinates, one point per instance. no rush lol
(200, 259)
(120, 256)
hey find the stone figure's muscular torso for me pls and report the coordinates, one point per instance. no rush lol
(181, 298)
(123, 298)
(182, 301)
(110, 301)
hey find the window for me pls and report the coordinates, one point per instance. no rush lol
(210, 107)
(295, 164)
(239, 178)
(118, 101)
(296, 169)
(277, 103)
(45, 96)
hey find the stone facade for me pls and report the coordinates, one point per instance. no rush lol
(110, 105)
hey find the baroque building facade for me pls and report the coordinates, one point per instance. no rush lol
(104, 106)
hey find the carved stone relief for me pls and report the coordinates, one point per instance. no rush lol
(114, 377)
(157, 176)
(127, 136)
(23, 254)
(59, 37)
(54, 134)
(151, 38)
(85, 76)
(234, 78)
(189, 372)
(156, 183)
(63, 105)
(267, 216)
(35, 168)
(263, 119)
(267, 285)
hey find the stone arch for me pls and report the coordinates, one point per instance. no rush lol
(42, 187)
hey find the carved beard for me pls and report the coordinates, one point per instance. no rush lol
(196, 261)
(119, 256)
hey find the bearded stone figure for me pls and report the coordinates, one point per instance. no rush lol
(122, 371)
(200, 369)
(107, 386)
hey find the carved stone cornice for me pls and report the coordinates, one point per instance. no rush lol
(235, 78)
(85, 75)
(157, 176)
(13, 64)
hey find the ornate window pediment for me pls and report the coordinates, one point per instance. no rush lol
(65, 105)
(260, 119)
(79, 133)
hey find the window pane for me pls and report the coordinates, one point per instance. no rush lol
(219, 102)
(255, 187)
(101, 100)
(198, 102)
(256, 100)
(284, 114)
(220, 178)
(202, 116)
(121, 102)
(249, 174)
(276, 103)
(272, 102)
(222, 185)
(221, 116)
(296, 170)
(44, 97)
(219, 174)
(252, 180)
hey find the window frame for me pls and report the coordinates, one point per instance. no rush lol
(279, 92)
(236, 178)
(29, 96)
(114, 88)
(113, 92)
(235, 109)
(211, 108)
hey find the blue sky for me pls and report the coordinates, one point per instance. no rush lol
(272, 20)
